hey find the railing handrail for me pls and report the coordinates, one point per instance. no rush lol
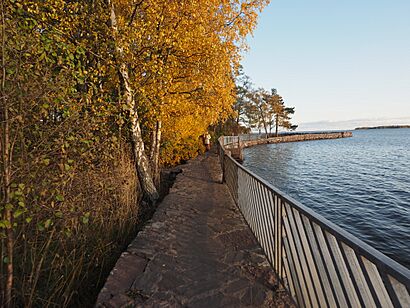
(391, 267)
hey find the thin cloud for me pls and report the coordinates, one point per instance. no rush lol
(352, 124)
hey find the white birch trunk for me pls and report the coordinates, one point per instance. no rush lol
(142, 163)
(155, 158)
(152, 150)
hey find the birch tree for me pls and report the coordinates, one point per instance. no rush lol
(128, 101)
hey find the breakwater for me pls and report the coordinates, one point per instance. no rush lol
(295, 138)
(236, 144)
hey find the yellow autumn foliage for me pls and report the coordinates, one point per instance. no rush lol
(70, 190)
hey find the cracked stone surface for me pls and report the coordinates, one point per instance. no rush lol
(196, 251)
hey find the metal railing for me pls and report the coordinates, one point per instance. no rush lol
(320, 264)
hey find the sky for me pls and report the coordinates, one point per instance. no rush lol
(341, 63)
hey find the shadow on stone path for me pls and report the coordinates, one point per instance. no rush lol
(197, 251)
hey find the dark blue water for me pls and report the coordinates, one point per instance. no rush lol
(361, 183)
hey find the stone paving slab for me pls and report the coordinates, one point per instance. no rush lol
(197, 251)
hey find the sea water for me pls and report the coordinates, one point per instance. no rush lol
(360, 183)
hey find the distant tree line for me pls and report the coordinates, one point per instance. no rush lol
(259, 109)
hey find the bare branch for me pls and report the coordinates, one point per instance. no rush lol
(134, 12)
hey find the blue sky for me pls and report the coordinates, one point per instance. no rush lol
(335, 61)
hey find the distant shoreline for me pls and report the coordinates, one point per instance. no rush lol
(383, 127)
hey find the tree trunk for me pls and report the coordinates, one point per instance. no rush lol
(262, 117)
(155, 156)
(276, 125)
(142, 163)
(6, 174)
(265, 127)
(153, 141)
(7, 214)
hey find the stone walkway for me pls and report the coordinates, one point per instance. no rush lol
(196, 251)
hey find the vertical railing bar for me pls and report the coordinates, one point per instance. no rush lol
(245, 205)
(228, 176)
(258, 213)
(271, 225)
(401, 290)
(245, 193)
(253, 207)
(265, 223)
(307, 251)
(352, 277)
(249, 205)
(241, 190)
(389, 288)
(358, 274)
(240, 187)
(234, 187)
(273, 231)
(228, 179)
(232, 167)
(331, 283)
(279, 221)
(378, 283)
(223, 168)
(321, 269)
(233, 177)
(300, 265)
(245, 190)
(343, 271)
(261, 237)
(278, 217)
(276, 233)
(266, 210)
(368, 280)
(293, 266)
(282, 269)
(343, 287)
(303, 257)
(270, 209)
(280, 229)
(226, 169)
(289, 277)
(261, 216)
(237, 182)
